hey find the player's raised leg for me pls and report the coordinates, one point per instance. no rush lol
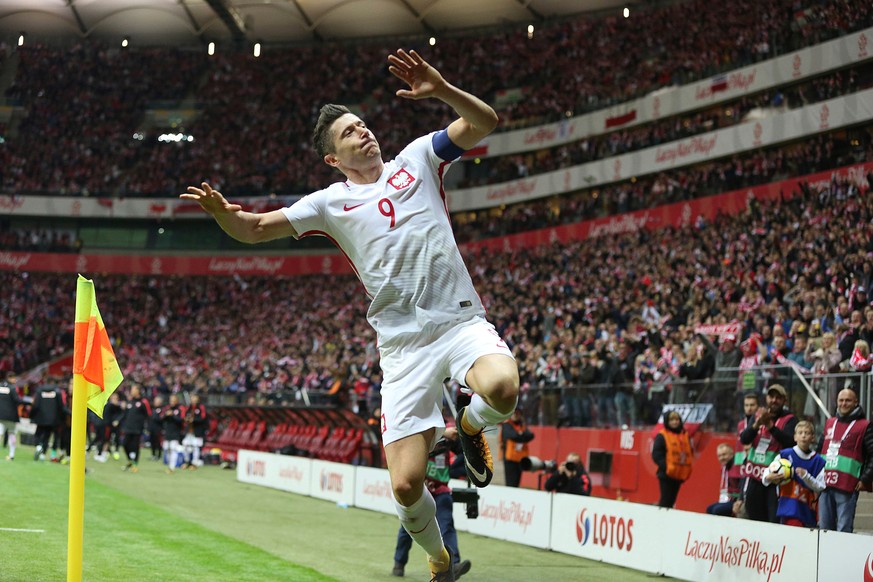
(494, 381)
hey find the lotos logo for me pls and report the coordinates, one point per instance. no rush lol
(331, 481)
(862, 46)
(868, 569)
(256, 468)
(824, 115)
(604, 530)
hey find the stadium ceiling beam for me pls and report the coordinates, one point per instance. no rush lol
(307, 20)
(427, 27)
(82, 28)
(526, 5)
(190, 15)
(231, 17)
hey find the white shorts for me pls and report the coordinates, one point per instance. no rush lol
(173, 446)
(413, 375)
(192, 441)
(10, 426)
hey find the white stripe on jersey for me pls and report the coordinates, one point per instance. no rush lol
(397, 235)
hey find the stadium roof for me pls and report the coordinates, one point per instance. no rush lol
(290, 21)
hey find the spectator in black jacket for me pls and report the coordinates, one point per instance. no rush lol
(156, 428)
(173, 420)
(136, 413)
(9, 403)
(570, 477)
(47, 413)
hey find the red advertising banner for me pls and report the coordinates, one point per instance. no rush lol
(677, 215)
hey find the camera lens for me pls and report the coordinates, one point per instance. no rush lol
(570, 466)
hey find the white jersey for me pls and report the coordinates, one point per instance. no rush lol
(398, 238)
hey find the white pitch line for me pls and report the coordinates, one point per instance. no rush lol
(22, 530)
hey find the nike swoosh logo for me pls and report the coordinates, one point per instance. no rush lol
(346, 207)
(422, 529)
(480, 476)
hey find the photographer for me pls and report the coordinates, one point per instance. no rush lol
(514, 436)
(570, 477)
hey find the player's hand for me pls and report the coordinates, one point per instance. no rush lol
(210, 200)
(423, 80)
(800, 472)
(451, 433)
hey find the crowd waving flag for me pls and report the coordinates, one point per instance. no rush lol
(93, 356)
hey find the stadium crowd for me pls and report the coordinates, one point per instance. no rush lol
(595, 313)
(251, 134)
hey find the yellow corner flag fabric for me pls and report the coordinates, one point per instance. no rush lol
(93, 356)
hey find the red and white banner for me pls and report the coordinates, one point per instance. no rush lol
(772, 130)
(845, 556)
(807, 62)
(677, 215)
(333, 481)
(373, 490)
(283, 472)
(175, 265)
(509, 513)
(720, 330)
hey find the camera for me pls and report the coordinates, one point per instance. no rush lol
(537, 464)
(468, 496)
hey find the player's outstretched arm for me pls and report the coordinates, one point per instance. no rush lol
(244, 226)
(477, 118)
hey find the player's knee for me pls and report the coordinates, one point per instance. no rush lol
(503, 394)
(407, 491)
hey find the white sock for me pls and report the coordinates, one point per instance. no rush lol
(174, 459)
(419, 520)
(480, 414)
(12, 442)
(196, 456)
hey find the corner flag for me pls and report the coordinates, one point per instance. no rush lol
(95, 376)
(93, 356)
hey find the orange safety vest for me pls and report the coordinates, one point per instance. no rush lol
(515, 451)
(679, 455)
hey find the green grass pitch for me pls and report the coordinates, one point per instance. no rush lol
(205, 526)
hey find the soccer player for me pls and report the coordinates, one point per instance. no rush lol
(136, 414)
(391, 221)
(9, 403)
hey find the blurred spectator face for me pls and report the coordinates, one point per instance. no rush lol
(724, 453)
(775, 402)
(800, 343)
(779, 343)
(856, 319)
(847, 400)
(808, 313)
(750, 405)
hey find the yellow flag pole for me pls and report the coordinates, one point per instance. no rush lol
(75, 530)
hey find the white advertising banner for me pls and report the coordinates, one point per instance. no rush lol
(277, 471)
(373, 490)
(791, 125)
(617, 532)
(333, 481)
(508, 513)
(845, 556)
(814, 60)
(704, 547)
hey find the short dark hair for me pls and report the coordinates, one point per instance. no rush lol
(321, 137)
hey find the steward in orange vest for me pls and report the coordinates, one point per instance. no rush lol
(672, 453)
(514, 436)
